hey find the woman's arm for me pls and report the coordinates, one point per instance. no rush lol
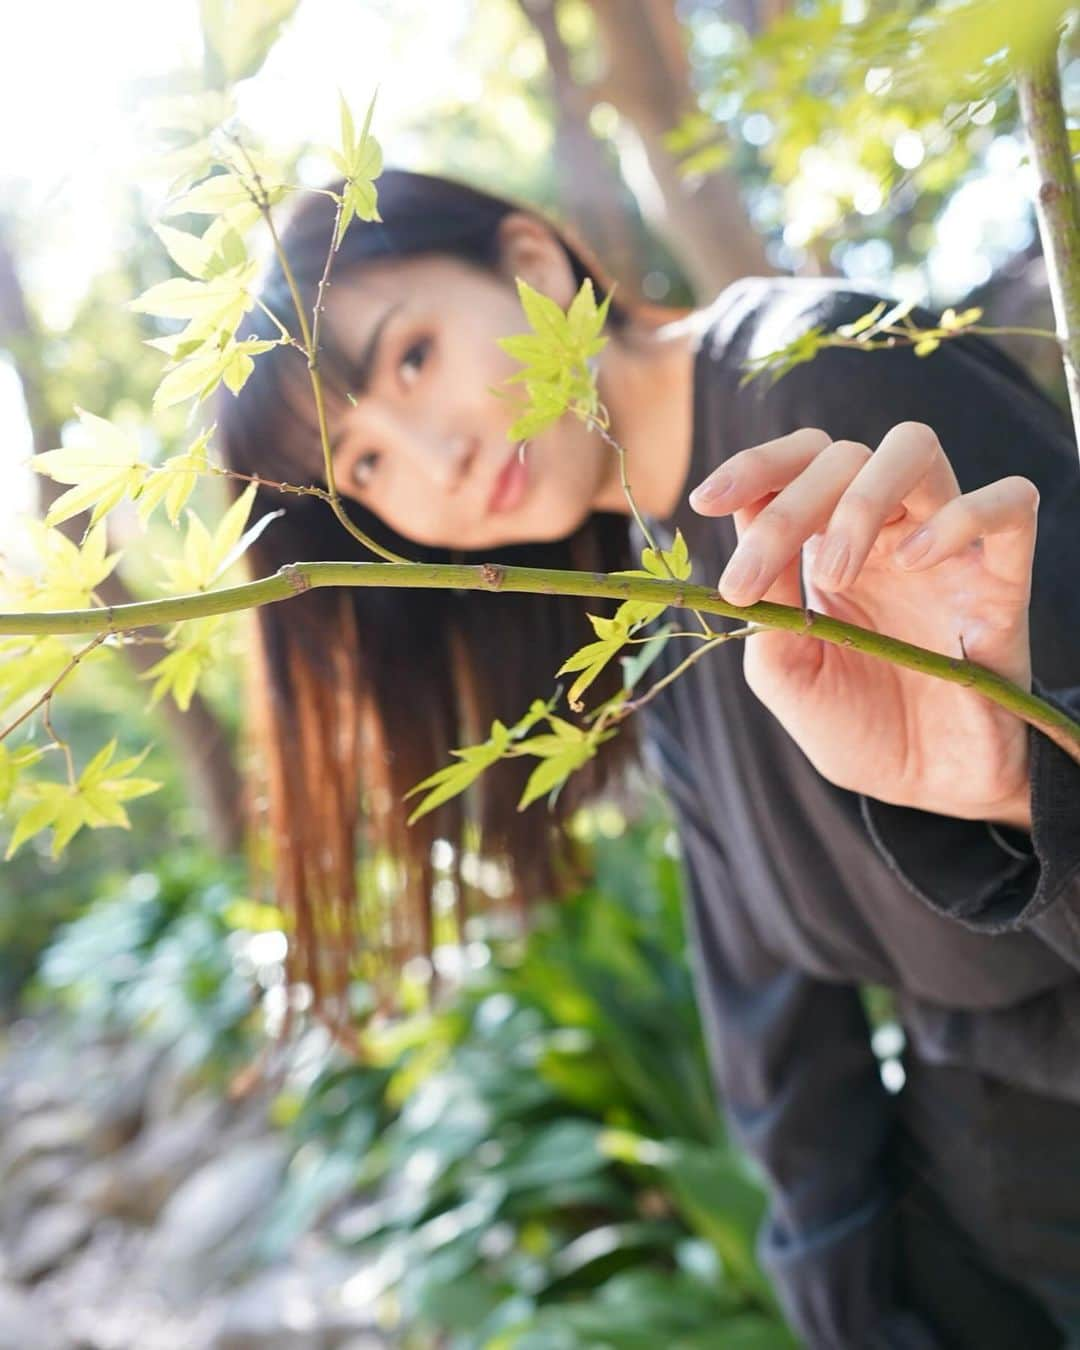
(800, 1086)
(936, 768)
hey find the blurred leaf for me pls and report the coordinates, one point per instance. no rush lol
(239, 34)
(105, 468)
(93, 800)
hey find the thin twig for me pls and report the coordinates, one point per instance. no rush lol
(324, 281)
(262, 201)
(285, 334)
(48, 693)
(60, 744)
(308, 491)
(632, 705)
(601, 428)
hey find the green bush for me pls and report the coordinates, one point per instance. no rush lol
(157, 954)
(547, 1165)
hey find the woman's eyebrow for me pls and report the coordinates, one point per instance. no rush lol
(359, 373)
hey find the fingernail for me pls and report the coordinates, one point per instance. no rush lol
(832, 561)
(914, 547)
(711, 489)
(741, 572)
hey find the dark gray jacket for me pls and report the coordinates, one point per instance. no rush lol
(799, 891)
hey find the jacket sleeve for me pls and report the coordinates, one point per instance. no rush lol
(992, 879)
(799, 1084)
(991, 422)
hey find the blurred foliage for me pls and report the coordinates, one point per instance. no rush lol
(537, 1162)
(848, 122)
(542, 1155)
(159, 954)
(38, 892)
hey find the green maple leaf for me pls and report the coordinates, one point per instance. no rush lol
(12, 762)
(178, 673)
(451, 779)
(104, 469)
(174, 481)
(359, 161)
(557, 375)
(95, 800)
(553, 771)
(208, 555)
(30, 664)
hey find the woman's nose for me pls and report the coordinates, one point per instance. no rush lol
(449, 461)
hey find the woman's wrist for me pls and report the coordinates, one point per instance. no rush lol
(1017, 812)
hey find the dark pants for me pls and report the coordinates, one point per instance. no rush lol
(988, 1210)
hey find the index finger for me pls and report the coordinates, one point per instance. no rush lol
(757, 471)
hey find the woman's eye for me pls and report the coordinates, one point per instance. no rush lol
(414, 357)
(364, 467)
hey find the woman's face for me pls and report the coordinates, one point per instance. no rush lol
(426, 439)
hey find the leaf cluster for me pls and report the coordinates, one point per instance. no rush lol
(839, 85)
(561, 752)
(613, 634)
(359, 161)
(95, 799)
(882, 326)
(556, 357)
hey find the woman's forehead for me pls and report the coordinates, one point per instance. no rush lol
(365, 294)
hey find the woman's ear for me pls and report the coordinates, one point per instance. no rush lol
(528, 249)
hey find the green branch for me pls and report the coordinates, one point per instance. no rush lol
(1038, 88)
(296, 578)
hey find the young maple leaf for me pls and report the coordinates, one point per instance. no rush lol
(359, 161)
(104, 469)
(95, 800)
(556, 355)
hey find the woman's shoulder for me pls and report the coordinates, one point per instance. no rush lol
(754, 316)
(857, 390)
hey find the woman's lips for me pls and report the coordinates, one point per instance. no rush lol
(509, 486)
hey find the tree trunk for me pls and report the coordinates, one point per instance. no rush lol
(648, 80)
(591, 190)
(200, 741)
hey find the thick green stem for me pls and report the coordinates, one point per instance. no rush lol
(1038, 88)
(296, 578)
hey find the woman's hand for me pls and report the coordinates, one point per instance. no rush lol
(887, 541)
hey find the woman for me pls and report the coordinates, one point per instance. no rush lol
(842, 822)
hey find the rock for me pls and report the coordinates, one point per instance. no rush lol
(137, 1182)
(56, 1131)
(170, 1085)
(50, 1235)
(42, 1179)
(276, 1310)
(24, 1323)
(207, 1229)
(117, 1097)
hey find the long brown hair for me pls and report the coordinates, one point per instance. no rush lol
(357, 694)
